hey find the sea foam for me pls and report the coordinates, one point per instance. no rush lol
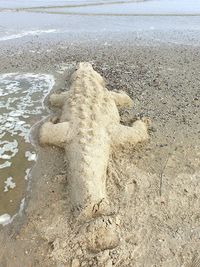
(27, 33)
(21, 105)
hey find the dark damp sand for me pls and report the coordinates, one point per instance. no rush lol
(158, 185)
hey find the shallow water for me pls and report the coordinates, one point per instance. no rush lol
(36, 3)
(153, 7)
(154, 30)
(100, 17)
(21, 97)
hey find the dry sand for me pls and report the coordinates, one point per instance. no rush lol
(154, 187)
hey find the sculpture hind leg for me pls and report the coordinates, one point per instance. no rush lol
(54, 134)
(123, 134)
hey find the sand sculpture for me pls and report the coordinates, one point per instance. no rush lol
(89, 129)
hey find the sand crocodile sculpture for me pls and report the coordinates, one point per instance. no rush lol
(89, 129)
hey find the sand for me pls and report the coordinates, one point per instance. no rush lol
(154, 187)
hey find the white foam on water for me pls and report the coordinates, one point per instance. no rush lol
(9, 184)
(9, 147)
(6, 218)
(27, 33)
(5, 165)
(21, 105)
(27, 173)
(21, 208)
(21, 99)
(31, 156)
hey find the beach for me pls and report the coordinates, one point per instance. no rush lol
(154, 187)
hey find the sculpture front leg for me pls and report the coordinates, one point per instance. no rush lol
(54, 134)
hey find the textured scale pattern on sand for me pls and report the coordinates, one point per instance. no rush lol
(89, 129)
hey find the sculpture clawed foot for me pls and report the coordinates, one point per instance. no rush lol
(102, 234)
(138, 132)
(146, 120)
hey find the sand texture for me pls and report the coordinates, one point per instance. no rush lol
(152, 188)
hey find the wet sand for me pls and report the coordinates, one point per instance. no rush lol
(154, 187)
